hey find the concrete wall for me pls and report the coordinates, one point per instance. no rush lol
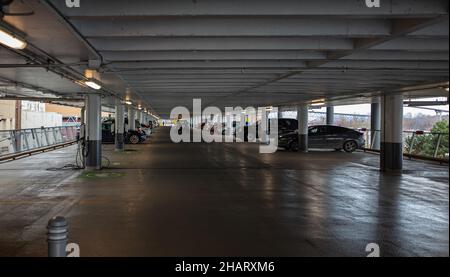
(40, 119)
(7, 114)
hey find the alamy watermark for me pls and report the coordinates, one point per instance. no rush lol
(73, 3)
(373, 250)
(373, 3)
(237, 124)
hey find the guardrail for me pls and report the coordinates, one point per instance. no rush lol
(14, 142)
(416, 144)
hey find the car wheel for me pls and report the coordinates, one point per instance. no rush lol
(134, 139)
(350, 146)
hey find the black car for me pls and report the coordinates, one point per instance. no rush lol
(130, 136)
(285, 125)
(323, 136)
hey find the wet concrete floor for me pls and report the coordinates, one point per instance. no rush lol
(165, 199)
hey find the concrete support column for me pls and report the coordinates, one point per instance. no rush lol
(330, 115)
(392, 133)
(138, 116)
(94, 131)
(83, 115)
(280, 112)
(131, 118)
(302, 117)
(375, 125)
(120, 128)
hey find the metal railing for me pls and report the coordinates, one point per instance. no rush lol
(419, 144)
(19, 141)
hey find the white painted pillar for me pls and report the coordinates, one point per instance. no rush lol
(94, 132)
(302, 117)
(119, 126)
(330, 115)
(131, 118)
(392, 132)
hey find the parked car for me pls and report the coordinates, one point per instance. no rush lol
(324, 136)
(130, 136)
(285, 125)
(146, 130)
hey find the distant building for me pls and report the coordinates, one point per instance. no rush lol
(71, 116)
(7, 115)
(34, 115)
(26, 115)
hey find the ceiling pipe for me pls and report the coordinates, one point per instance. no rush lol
(40, 65)
(10, 83)
(72, 29)
(77, 34)
(39, 99)
(425, 103)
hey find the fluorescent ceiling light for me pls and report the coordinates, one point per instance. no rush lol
(11, 41)
(128, 102)
(93, 85)
(318, 102)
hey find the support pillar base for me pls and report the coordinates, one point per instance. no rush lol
(303, 143)
(391, 157)
(120, 142)
(94, 154)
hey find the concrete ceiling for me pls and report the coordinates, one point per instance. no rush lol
(250, 52)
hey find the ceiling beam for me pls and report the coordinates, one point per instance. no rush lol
(119, 56)
(399, 29)
(157, 8)
(232, 27)
(229, 44)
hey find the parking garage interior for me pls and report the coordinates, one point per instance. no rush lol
(141, 59)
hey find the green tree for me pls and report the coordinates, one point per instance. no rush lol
(425, 145)
(443, 128)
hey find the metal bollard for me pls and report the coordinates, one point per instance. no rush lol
(57, 236)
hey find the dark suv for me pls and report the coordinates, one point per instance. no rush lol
(131, 136)
(323, 136)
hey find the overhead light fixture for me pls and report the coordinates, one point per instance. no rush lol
(318, 102)
(128, 102)
(92, 84)
(11, 41)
